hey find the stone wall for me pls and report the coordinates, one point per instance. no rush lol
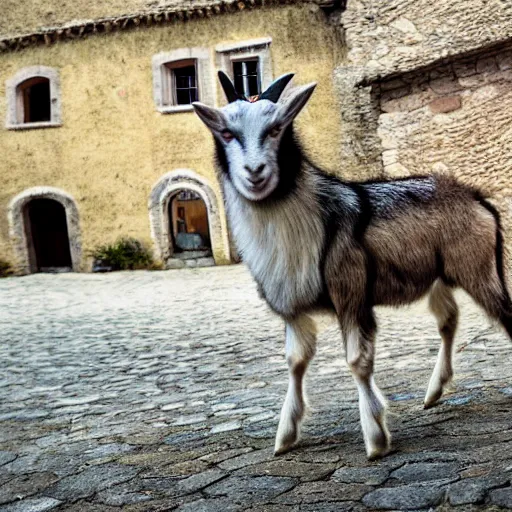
(395, 36)
(455, 119)
(386, 39)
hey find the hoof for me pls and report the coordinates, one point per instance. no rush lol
(376, 454)
(379, 451)
(282, 450)
(380, 446)
(284, 443)
(432, 398)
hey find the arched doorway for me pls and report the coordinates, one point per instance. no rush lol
(189, 231)
(163, 232)
(44, 228)
(47, 235)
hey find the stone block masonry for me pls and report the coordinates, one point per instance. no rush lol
(452, 118)
(397, 36)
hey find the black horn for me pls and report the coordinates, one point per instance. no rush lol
(276, 88)
(229, 88)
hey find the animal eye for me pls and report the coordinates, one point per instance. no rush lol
(275, 131)
(227, 135)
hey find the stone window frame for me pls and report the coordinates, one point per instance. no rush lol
(162, 193)
(18, 228)
(13, 104)
(204, 77)
(227, 53)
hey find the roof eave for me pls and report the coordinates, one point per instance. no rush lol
(84, 28)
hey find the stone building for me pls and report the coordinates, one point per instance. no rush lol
(428, 87)
(405, 87)
(100, 140)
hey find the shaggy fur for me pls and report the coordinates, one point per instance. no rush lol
(315, 242)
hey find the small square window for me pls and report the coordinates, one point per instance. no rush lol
(181, 77)
(247, 77)
(180, 83)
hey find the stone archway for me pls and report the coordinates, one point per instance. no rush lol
(20, 227)
(162, 193)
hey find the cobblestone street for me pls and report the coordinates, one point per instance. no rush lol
(156, 391)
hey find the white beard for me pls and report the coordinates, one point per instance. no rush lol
(281, 244)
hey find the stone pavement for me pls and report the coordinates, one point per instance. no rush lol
(155, 391)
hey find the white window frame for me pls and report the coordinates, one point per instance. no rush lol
(228, 53)
(15, 104)
(162, 78)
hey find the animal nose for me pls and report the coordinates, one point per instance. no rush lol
(255, 172)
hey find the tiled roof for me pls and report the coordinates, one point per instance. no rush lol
(32, 22)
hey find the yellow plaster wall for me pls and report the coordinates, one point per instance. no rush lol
(114, 145)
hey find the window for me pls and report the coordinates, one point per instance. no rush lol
(33, 99)
(34, 103)
(248, 64)
(247, 77)
(180, 82)
(181, 77)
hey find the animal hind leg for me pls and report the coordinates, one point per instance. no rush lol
(489, 290)
(443, 306)
(478, 267)
(493, 297)
(300, 349)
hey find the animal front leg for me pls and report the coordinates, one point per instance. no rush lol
(372, 404)
(300, 349)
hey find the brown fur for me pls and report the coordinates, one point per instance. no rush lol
(453, 238)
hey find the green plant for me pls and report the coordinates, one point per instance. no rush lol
(124, 254)
(5, 268)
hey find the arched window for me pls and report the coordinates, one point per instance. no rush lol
(33, 98)
(181, 77)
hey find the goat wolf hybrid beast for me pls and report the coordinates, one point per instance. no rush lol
(314, 242)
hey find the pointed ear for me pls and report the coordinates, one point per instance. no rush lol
(211, 117)
(295, 102)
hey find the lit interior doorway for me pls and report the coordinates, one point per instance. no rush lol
(188, 223)
(47, 236)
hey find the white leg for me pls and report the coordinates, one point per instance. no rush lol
(372, 404)
(300, 349)
(444, 307)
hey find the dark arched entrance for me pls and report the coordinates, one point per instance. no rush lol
(47, 235)
(188, 226)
